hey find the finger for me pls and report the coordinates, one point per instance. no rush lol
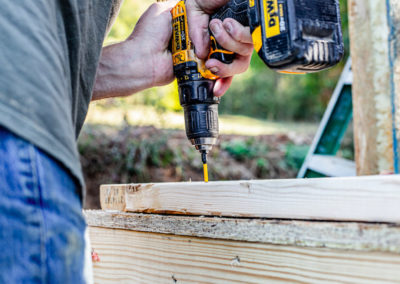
(237, 31)
(209, 6)
(167, 5)
(198, 29)
(227, 42)
(239, 65)
(157, 15)
(222, 85)
(165, 13)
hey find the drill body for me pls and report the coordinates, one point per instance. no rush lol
(290, 36)
(195, 85)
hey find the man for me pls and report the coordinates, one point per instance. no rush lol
(50, 53)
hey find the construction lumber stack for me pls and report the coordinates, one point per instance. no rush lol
(317, 230)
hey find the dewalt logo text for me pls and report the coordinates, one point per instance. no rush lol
(271, 14)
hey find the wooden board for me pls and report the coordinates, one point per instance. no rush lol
(136, 257)
(372, 102)
(393, 15)
(315, 234)
(370, 199)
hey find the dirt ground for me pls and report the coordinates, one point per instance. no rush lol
(146, 154)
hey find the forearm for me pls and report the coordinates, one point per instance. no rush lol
(123, 70)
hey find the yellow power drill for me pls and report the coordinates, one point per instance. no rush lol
(290, 36)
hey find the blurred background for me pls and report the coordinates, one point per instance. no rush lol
(267, 122)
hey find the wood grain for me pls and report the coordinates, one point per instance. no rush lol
(135, 257)
(393, 15)
(316, 234)
(370, 199)
(373, 133)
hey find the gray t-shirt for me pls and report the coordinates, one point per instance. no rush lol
(49, 53)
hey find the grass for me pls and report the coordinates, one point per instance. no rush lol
(140, 115)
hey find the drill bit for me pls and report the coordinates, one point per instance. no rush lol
(205, 167)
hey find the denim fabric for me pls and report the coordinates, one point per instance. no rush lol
(41, 221)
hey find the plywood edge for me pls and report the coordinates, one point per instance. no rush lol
(317, 234)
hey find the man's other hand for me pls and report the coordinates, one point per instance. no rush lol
(152, 34)
(144, 61)
(140, 62)
(230, 34)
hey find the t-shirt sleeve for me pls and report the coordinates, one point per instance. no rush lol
(116, 6)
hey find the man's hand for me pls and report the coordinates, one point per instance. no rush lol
(144, 61)
(153, 33)
(230, 34)
(140, 62)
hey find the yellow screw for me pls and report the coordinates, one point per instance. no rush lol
(205, 170)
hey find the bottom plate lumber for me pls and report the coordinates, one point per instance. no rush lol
(336, 235)
(141, 257)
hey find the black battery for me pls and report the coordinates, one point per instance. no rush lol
(299, 36)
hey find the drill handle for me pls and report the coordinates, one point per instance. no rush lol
(235, 9)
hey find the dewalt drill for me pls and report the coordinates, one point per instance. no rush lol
(290, 36)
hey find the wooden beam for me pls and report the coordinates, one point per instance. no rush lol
(370, 199)
(372, 100)
(136, 257)
(393, 14)
(333, 235)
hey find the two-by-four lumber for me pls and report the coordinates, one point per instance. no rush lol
(137, 257)
(313, 234)
(375, 71)
(369, 199)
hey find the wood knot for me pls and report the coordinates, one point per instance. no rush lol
(235, 261)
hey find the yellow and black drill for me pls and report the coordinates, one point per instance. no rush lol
(290, 36)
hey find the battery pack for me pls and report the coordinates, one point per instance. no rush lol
(297, 36)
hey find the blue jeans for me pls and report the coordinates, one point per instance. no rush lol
(41, 222)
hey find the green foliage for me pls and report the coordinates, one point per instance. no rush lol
(265, 94)
(130, 13)
(259, 92)
(127, 153)
(347, 147)
(249, 148)
(295, 155)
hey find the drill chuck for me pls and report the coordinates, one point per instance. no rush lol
(200, 111)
